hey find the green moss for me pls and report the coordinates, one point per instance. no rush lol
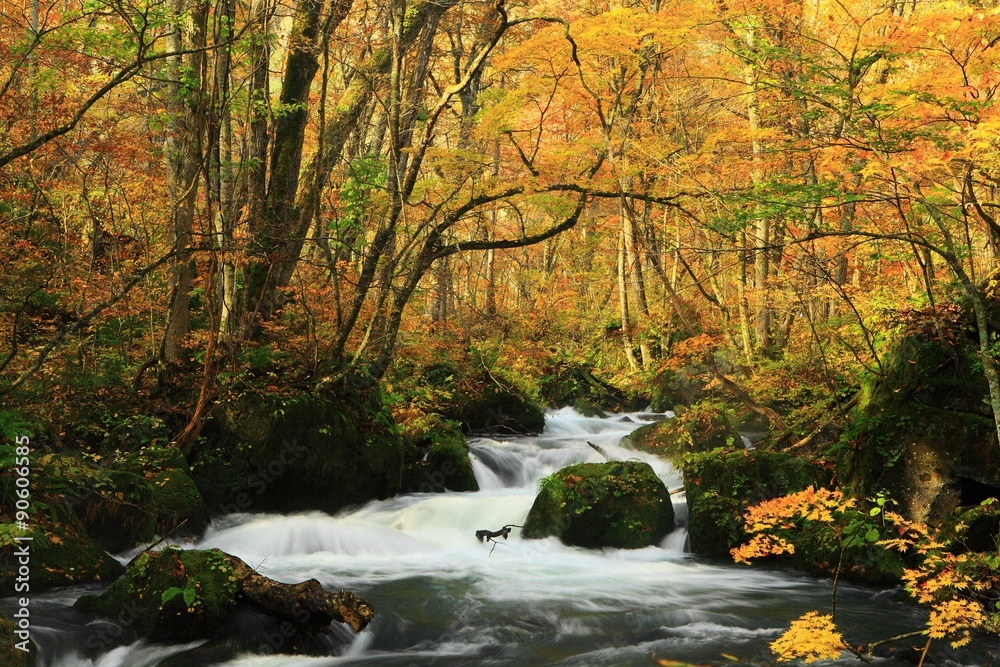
(441, 460)
(306, 450)
(497, 409)
(619, 504)
(62, 554)
(118, 514)
(720, 485)
(177, 503)
(572, 383)
(174, 594)
(925, 420)
(705, 426)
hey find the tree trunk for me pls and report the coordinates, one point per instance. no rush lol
(185, 159)
(762, 241)
(626, 330)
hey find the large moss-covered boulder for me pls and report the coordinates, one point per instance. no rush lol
(923, 429)
(575, 384)
(61, 554)
(175, 594)
(180, 595)
(117, 512)
(619, 504)
(720, 485)
(302, 450)
(705, 426)
(143, 493)
(437, 456)
(175, 501)
(491, 407)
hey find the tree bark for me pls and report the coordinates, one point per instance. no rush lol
(306, 604)
(184, 156)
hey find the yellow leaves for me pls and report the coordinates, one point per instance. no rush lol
(954, 618)
(812, 637)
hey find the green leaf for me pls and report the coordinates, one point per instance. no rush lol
(190, 595)
(872, 535)
(875, 511)
(170, 594)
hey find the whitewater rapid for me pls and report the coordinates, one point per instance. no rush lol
(443, 598)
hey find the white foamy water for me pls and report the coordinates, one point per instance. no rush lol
(444, 598)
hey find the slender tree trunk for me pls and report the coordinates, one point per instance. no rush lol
(221, 142)
(187, 161)
(623, 303)
(762, 241)
(744, 305)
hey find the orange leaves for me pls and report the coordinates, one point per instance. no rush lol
(760, 546)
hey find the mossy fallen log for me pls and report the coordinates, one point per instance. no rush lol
(182, 595)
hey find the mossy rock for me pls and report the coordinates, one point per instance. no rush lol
(675, 388)
(575, 384)
(721, 484)
(620, 504)
(497, 409)
(181, 595)
(10, 655)
(442, 461)
(178, 505)
(702, 427)
(319, 450)
(923, 431)
(62, 554)
(175, 594)
(118, 514)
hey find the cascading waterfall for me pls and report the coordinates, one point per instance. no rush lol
(442, 598)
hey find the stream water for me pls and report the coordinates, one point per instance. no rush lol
(442, 598)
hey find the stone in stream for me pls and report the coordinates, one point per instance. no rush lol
(619, 504)
(700, 428)
(180, 595)
(436, 456)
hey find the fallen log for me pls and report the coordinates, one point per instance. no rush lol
(307, 603)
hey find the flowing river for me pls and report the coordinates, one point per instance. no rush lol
(444, 599)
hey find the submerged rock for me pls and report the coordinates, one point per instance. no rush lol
(619, 504)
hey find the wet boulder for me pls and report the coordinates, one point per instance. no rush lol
(572, 383)
(180, 595)
(496, 408)
(620, 504)
(705, 426)
(436, 456)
